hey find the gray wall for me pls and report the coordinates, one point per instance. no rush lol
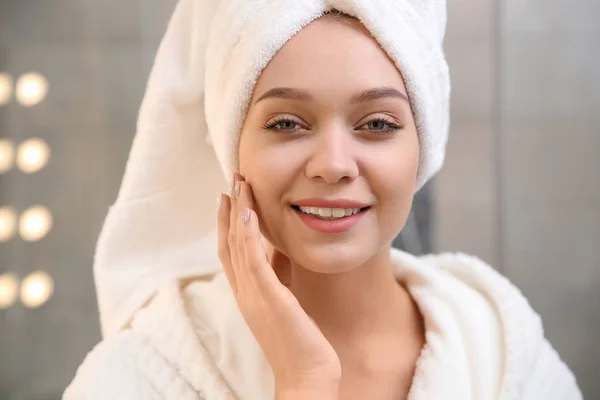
(96, 56)
(520, 188)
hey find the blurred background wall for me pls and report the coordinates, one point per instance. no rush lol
(520, 189)
(521, 186)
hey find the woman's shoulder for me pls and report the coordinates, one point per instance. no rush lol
(157, 356)
(533, 368)
(466, 267)
(475, 273)
(125, 366)
(514, 310)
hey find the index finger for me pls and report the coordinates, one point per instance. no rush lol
(223, 226)
(251, 247)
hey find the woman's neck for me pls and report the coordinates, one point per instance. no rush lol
(366, 303)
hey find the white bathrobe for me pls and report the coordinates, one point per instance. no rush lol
(167, 341)
(483, 342)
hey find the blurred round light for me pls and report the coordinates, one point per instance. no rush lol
(9, 290)
(6, 88)
(36, 289)
(7, 155)
(8, 223)
(35, 223)
(32, 155)
(32, 88)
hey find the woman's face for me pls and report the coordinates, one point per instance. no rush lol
(329, 128)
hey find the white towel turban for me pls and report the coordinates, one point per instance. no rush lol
(161, 225)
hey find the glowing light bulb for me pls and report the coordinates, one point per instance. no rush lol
(8, 223)
(32, 88)
(32, 155)
(35, 223)
(6, 88)
(9, 290)
(7, 155)
(36, 289)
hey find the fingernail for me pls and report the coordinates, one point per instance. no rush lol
(238, 188)
(219, 201)
(246, 215)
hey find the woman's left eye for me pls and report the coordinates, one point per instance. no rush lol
(382, 125)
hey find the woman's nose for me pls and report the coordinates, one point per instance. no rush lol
(333, 158)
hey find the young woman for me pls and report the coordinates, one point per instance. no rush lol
(334, 139)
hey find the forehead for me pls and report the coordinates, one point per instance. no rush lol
(330, 53)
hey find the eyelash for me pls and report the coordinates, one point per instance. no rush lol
(393, 127)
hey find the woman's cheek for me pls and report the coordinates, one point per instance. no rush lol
(268, 207)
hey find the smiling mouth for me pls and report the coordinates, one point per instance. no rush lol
(328, 213)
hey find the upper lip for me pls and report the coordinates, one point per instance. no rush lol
(330, 203)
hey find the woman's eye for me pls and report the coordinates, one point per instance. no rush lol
(286, 124)
(377, 125)
(381, 125)
(283, 125)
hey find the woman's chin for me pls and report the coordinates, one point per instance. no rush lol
(331, 258)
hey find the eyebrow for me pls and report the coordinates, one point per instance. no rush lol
(361, 97)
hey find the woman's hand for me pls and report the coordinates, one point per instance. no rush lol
(300, 356)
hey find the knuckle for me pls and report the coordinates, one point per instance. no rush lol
(247, 237)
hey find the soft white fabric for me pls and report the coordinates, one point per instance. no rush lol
(483, 342)
(161, 224)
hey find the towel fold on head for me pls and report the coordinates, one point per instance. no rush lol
(161, 226)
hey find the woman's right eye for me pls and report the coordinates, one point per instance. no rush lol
(283, 124)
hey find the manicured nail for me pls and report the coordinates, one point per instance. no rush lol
(219, 201)
(238, 188)
(246, 215)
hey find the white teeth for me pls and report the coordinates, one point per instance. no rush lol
(338, 212)
(329, 213)
(325, 212)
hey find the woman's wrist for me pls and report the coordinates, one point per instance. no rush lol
(328, 392)
(315, 389)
